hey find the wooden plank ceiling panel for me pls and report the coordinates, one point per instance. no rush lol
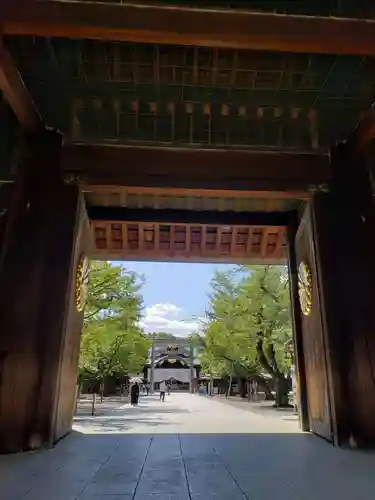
(189, 242)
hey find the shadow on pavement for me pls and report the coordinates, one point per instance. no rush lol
(265, 409)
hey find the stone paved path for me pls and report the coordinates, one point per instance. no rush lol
(189, 448)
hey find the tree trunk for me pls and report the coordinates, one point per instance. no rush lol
(267, 391)
(229, 386)
(93, 404)
(242, 384)
(102, 389)
(78, 396)
(268, 394)
(282, 390)
(248, 389)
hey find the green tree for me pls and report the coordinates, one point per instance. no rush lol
(264, 299)
(224, 353)
(110, 288)
(112, 343)
(248, 326)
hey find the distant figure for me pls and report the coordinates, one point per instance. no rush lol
(147, 388)
(163, 388)
(134, 394)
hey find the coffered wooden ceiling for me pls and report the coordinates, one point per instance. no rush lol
(126, 93)
(187, 242)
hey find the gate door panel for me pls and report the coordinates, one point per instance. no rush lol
(312, 331)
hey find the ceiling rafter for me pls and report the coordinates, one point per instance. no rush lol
(364, 133)
(16, 94)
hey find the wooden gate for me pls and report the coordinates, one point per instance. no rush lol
(312, 331)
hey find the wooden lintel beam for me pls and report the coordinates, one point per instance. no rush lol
(190, 26)
(295, 174)
(16, 94)
(204, 217)
(182, 192)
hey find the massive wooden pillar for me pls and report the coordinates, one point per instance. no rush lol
(5, 200)
(336, 240)
(45, 239)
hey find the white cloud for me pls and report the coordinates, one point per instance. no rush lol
(168, 318)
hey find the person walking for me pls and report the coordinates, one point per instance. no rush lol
(163, 388)
(147, 388)
(134, 394)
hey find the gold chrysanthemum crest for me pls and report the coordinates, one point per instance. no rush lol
(82, 275)
(305, 288)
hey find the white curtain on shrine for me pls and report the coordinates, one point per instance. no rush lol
(180, 374)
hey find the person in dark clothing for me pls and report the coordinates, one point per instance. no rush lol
(134, 394)
(162, 388)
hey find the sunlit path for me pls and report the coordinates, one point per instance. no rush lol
(181, 413)
(188, 448)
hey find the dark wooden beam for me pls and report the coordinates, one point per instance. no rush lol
(17, 95)
(191, 26)
(170, 216)
(364, 133)
(296, 173)
(184, 192)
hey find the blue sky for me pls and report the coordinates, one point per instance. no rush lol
(174, 294)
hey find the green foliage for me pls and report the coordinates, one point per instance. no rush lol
(112, 289)
(112, 343)
(226, 350)
(265, 310)
(248, 324)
